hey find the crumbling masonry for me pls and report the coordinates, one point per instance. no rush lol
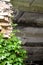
(5, 17)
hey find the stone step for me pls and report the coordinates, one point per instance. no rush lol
(28, 5)
(30, 18)
(32, 40)
(34, 53)
(30, 34)
(31, 31)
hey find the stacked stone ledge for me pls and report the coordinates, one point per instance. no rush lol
(5, 17)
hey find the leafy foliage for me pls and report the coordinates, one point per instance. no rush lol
(11, 52)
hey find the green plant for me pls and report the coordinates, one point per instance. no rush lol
(11, 52)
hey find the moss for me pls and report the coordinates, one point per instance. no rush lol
(25, 6)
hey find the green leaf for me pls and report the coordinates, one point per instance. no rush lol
(11, 51)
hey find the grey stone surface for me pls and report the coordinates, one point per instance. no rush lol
(32, 40)
(31, 34)
(35, 53)
(28, 5)
(32, 18)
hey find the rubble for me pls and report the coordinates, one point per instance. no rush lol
(5, 17)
